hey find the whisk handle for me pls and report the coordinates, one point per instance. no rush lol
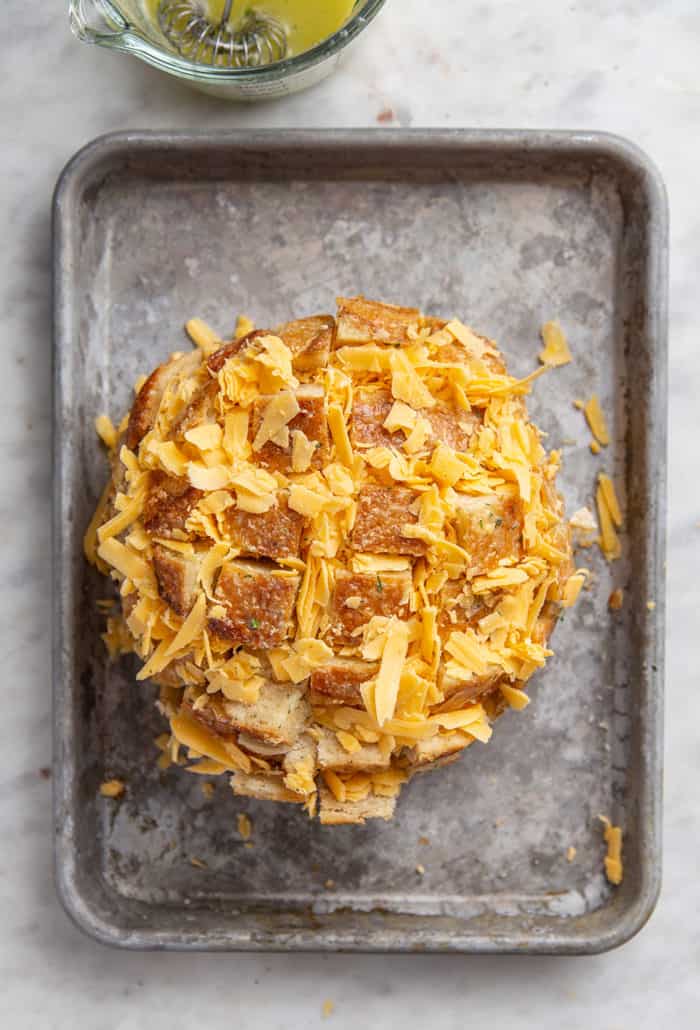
(96, 21)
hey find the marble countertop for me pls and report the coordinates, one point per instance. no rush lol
(630, 68)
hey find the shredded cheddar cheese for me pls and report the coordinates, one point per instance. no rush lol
(556, 348)
(339, 550)
(613, 860)
(596, 420)
(112, 789)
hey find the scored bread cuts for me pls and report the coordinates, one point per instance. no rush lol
(340, 552)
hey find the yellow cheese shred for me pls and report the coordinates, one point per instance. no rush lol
(556, 348)
(393, 658)
(191, 734)
(106, 431)
(202, 336)
(613, 860)
(335, 785)
(610, 497)
(90, 539)
(339, 432)
(609, 540)
(191, 627)
(280, 410)
(596, 420)
(515, 697)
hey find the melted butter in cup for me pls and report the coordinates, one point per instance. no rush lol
(307, 22)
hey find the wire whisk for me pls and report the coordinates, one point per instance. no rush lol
(254, 40)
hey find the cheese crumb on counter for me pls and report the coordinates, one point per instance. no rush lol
(615, 600)
(328, 1008)
(570, 854)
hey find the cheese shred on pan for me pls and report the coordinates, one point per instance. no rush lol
(339, 550)
(613, 860)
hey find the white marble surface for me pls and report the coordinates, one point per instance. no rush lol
(630, 67)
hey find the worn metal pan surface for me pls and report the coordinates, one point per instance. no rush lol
(508, 229)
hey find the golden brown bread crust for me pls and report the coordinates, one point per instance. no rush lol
(380, 593)
(339, 680)
(277, 717)
(442, 748)
(176, 575)
(275, 533)
(169, 503)
(332, 755)
(382, 511)
(311, 420)
(309, 339)
(343, 813)
(456, 352)
(366, 321)
(217, 360)
(257, 601)
(371, 406)
(489, 529)
(453, 428)
(264, 787)
(200, 410)
(144, 410)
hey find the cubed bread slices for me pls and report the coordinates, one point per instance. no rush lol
(217, 360)
(369, 321)
(339, 813)
(357, 596)
(458, 607)
(372, 404)
(277, 717)
(275, 533)
(255, 604)
(311, 421)
(438, 750)
(200, 411)
(489, 528)
(169, 503)
(381, 514)
(176, 575)
(146, 406)
(310, 341)
(484, 350)
(300, 766)
(265, 787)
(332, 755)
(338, 681)
(460, 692)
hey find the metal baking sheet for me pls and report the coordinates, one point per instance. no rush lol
(508, 229)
